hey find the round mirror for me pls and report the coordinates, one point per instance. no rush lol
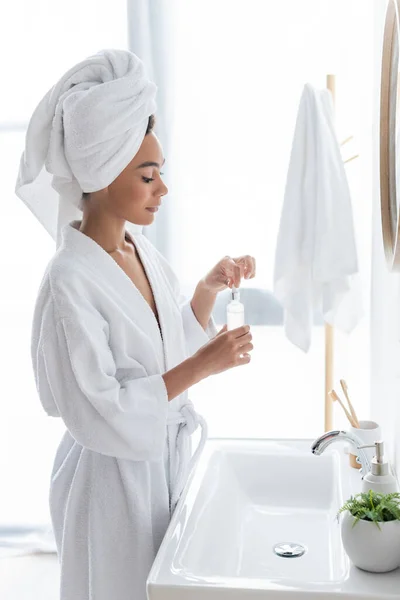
(389, 137)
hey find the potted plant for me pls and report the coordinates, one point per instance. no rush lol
(371, 531)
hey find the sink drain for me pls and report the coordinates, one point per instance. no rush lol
(289, 550)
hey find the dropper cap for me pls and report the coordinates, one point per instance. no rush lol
(235, 293)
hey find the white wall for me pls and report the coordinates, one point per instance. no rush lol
(385, 300)
(236, 101)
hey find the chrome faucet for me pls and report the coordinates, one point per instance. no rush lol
(329, 437)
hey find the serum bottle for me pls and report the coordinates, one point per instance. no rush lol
(235, 311)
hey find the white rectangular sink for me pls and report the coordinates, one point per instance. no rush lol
(244, 499)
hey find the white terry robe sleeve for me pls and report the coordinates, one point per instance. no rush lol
(76, 372)
(196, 336)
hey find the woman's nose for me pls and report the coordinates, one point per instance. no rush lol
(164, 189)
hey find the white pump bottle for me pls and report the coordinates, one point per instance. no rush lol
(379, 479)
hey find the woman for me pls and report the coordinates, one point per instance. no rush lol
(114, 347)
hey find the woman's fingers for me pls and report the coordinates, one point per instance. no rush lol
(246, 348)
(250, 267)
(234, 272)
(253, 264)
(247, 266)
(237, 275)
(240, 331)
(244, 359)
(235, 269)
(245, 339)
(223, 330)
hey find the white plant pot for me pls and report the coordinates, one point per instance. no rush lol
(368, 547)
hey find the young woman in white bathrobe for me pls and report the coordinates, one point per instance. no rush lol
(115, 350)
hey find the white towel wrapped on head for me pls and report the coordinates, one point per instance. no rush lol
(83, 133)
(316, 258)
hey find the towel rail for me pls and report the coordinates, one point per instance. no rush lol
(329, 330)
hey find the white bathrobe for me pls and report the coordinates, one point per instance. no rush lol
(98, 357)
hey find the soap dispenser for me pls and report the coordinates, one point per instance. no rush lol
(380, 478)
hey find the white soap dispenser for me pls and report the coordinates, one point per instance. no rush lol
(235, 311)
(380, 478)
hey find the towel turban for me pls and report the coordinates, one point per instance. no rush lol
(83, 133)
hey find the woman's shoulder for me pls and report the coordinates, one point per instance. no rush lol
(63, 296)
(63, 270)
(64, 282)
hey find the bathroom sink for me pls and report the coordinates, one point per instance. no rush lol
(257, 519)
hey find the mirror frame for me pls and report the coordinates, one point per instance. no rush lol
(389, 82)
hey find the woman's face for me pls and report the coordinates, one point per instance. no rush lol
(136, 194)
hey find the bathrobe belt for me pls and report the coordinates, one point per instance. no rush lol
(188, 421)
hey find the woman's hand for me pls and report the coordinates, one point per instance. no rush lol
(226, 350)
(229, 272)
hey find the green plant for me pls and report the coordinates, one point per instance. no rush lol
(373, 507)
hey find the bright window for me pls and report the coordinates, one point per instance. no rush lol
(41, 39)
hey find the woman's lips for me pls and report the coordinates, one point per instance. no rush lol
(152, 209)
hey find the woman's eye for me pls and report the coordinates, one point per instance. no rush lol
(149, 179)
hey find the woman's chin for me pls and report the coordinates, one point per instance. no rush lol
(142, 220)
(150, 218)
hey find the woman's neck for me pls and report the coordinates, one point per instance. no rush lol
(105, 230)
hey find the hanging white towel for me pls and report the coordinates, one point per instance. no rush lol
(316, 262)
